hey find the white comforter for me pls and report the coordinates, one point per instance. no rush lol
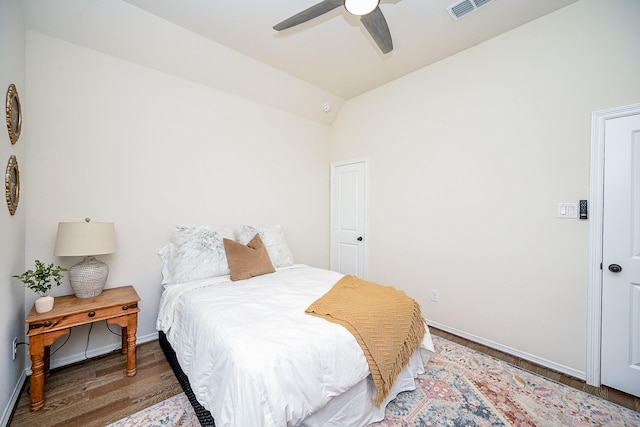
(252, 355)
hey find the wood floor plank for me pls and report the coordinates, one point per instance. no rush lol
(97, 392)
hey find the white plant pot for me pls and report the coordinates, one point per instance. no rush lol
(44, 304)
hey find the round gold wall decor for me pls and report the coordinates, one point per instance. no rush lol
(12, 184)
(14, 114)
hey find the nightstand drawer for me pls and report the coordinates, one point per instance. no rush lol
(89, 316)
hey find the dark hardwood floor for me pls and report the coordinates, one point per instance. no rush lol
(96, 392)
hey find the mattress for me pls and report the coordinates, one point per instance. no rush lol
(254, 358)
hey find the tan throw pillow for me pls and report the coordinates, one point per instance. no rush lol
(247, 261)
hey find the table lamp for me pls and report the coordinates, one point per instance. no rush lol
(86, 239)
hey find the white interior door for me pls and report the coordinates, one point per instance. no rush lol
(620, 351)
(348, 217)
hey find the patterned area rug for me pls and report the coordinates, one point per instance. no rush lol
(461, 387)
(175, 411)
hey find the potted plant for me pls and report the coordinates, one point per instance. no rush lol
(40, 281)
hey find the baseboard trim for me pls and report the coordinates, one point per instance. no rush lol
(512, 351)
(13, 401)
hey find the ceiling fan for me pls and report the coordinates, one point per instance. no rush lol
(370, 15)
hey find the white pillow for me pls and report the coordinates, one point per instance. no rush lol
(167, 255)
(273, 238)
(199, 253)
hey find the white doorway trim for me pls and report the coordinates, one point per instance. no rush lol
(596, 194)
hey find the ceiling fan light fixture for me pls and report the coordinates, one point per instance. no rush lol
(361, 7)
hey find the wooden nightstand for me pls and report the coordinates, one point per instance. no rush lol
(116, 305)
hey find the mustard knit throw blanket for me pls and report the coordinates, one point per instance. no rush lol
(387, 324)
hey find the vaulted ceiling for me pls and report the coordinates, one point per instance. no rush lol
(333, 54)
(334, 51)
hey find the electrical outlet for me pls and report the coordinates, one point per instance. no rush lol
(15, 347)
(434, 295)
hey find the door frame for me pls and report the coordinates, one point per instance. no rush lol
(332, 239)
(596, 194)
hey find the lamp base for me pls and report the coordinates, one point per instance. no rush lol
(88, 277)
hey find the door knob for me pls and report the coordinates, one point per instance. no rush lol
(615, 268)
(359, 239)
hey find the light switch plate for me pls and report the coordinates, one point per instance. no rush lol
(568, 210)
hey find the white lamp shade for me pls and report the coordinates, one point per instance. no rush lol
(360, 7)
(85, 238)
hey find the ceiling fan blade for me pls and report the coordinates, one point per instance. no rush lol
(308, 14)
(377, 26)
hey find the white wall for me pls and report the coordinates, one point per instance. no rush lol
(116, 141)
(12, 63)
(468, 159)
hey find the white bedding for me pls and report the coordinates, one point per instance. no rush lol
(254, 358)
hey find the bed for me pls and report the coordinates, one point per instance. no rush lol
(251, 354)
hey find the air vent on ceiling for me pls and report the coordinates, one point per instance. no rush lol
(464, 7)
